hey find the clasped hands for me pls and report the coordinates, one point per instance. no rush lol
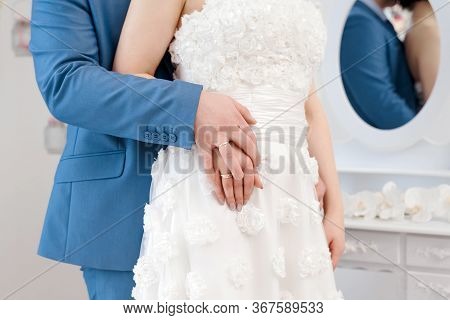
(228, 149)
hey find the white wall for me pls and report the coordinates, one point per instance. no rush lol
(26, 174)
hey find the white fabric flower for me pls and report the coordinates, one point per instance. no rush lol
(164, 247)
(292, 210)
(244, 46)
(145, 273)
(289, 211)
(195, 286)
(200, 230)
(250, 220)
(313, 261)
(279, 263)
(239, 272)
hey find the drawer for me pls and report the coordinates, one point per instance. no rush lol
(372, 246)
(428, 251)
(430, 287)
(361, 284)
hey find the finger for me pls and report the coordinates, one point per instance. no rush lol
(218, 188)
(258, 181)
(238, 193)
(249, 184)
(207, 161)
(249, 131)
(246, 144)
(245, 113)
(209, 170)
(215, 178)
(227, 183)
(231, 162)
(249, 179)
(229, 192)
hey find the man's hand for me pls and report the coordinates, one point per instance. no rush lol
(235, 192)
(221, 120)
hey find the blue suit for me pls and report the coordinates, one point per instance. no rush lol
(116, 126)
(376, 76)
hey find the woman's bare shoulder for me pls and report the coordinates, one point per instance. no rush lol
(422, 10)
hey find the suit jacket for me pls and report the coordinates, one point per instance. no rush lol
(116, 125)
(376, 76)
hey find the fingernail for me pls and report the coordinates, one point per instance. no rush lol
(233, 207)
(239, 207)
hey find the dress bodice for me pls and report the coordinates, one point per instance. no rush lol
(247, 43)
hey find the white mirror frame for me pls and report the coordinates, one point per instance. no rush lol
(432, 124)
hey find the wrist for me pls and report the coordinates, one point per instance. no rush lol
(334, 210)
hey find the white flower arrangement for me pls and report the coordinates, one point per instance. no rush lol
(391, 203)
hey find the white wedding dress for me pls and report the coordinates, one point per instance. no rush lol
(263, 54)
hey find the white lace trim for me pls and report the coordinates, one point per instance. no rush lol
(239, 43)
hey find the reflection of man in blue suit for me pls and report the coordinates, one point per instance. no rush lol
(376, 76)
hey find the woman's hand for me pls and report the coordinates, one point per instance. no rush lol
(333, 224)
(235, 192)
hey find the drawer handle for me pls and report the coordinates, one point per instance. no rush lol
(433, 252)
(443, 290)
(358, 247)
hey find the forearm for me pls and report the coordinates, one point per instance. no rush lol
(320, 147)
(80, 91)
(126, 106)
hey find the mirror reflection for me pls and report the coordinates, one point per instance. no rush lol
(389, 59)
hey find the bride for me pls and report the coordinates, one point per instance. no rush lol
(277, 242)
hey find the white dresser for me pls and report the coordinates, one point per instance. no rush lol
(395, 260)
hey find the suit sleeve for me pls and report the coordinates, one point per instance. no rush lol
(367, 78)
(79, 92)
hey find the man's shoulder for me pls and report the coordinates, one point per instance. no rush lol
(363, 21)
(362, 12)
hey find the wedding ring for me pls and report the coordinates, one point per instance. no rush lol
(226, 176)
(223, 144)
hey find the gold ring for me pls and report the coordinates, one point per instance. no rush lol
(223, 144)
(226, 176)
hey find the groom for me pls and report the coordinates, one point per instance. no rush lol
(374, 67)
(116, 126)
